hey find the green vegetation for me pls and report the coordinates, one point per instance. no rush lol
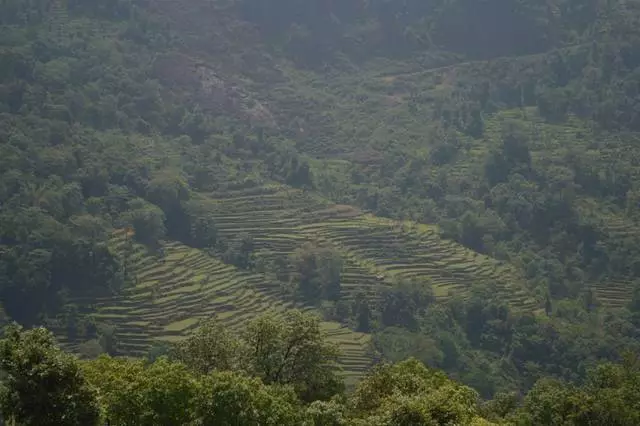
(177, 292)
(430, 188)
(280, 373)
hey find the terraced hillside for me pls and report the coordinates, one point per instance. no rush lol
(376, 250)
(373, 123)
(615, 292)
(174, 291)
(175, 288)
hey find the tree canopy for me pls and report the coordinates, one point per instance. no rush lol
(42, 385)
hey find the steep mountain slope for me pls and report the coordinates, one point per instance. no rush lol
(439, 174)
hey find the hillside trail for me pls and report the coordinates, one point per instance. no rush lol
(391, 77)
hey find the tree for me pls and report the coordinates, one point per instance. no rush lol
(397, 344)
(43, 385)
(169, 190)
(327, 413)
(402, 303)
(501, 406)
(132, 393)
(317, 273)
(230, 398)
(552, 403)
(147, 221)
(608, 397)
(203, 232)
(615, 388)
(210, 348)
(634, 305)
(548, 306)
(362, 311)
(299, 173)
(239, 252)
(116, 380)
(408, 393)
(168, 393)
(292, 350)
(108, 337)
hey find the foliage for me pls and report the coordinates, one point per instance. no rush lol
(210, 348)
(147, 222)
(403, 303)
(239, 251)
(512, 126)
(474, 339)
(317, 272)
(286, 351)
(133, 393)
(606, 399)
(42, 385)
(291, 351)
(228, 398)
(409, 393)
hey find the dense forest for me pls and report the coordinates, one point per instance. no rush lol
(461, 179)
(280, 372)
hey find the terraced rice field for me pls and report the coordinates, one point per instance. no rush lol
(376, 251)
(173, 293)
(613, 293)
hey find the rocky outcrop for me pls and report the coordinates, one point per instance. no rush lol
(184, 75)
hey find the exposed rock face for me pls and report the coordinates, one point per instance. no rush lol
(200, 81)
(209, 33)
(234, 98)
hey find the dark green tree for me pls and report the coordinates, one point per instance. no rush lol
(293, 351)
(43, 385)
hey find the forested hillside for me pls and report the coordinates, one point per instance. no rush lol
(451, 180)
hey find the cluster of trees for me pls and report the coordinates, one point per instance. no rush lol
(493, 348)
(312, 275)
(91, 142)
(315, 273)
(278, 372)
(481, 341)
